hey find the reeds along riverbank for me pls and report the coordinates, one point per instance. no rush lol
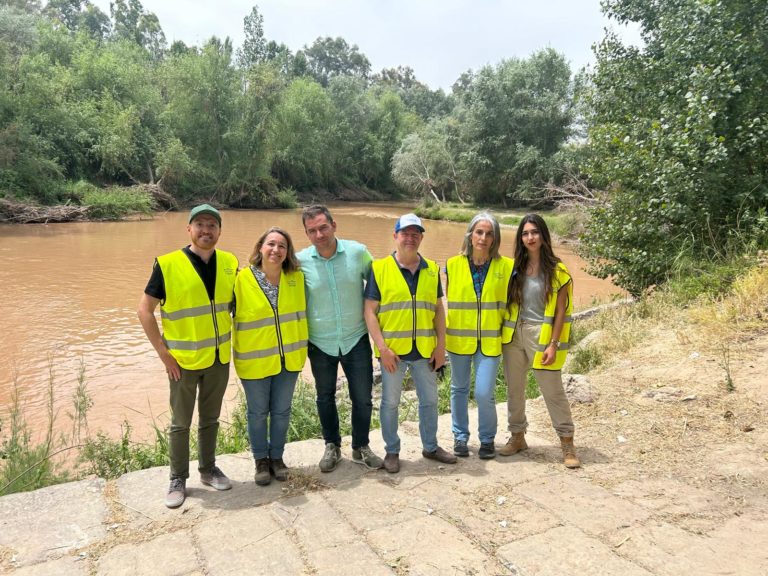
(29, 464)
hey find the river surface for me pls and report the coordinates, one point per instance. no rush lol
(72, 291)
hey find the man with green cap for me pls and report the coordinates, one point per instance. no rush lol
(194, 287)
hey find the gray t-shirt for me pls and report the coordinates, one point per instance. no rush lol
(532, 307)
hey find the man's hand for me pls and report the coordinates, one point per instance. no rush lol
(389, 360)
(171, 366)
(437, 360)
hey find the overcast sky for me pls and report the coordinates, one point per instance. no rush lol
(439, 39)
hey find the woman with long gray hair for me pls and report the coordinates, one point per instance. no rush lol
(476, 286)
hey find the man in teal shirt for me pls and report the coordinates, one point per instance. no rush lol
(335, 272)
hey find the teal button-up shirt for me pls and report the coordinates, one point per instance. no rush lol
(334, 288)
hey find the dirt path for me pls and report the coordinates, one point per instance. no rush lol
(664, 430)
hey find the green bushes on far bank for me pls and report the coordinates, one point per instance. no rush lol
(565, 224)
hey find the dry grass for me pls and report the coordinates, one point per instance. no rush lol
(680, 394)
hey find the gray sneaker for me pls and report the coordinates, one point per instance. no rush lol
(216, 479)
(177, 492)
(330, 458)
(365, 456)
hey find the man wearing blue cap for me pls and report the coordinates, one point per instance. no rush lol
(406, 320)
(194, 287)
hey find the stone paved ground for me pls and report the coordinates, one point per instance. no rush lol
(523, 515)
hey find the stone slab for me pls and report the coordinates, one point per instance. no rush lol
(248, 542)
(65, 566)
(591, 508)
(654, 494)
(565, 550)
(331, 544)
(165, 555)
(737, 546)
(62, 518)
(429, 545)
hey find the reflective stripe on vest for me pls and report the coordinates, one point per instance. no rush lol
(194, 326)
(261, 337)
(404, 318)
(562, 278)
(471, 319)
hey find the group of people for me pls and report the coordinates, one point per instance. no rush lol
(327, 303)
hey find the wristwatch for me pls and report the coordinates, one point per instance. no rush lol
(556, 343)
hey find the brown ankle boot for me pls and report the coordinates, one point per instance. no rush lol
(515, 444)
(569, 452)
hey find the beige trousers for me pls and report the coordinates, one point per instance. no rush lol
(518, 356)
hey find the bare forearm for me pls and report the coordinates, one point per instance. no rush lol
(372, 322)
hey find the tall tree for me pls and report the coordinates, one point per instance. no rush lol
(518, 114)
(301, 137)
(329, 57)
(133, 23)
(254, 48)
(202, 108)
(679, 132)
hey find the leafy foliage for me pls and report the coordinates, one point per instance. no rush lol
(678, 129)
(103, 99)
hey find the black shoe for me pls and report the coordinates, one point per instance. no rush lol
(262, 477)
(460, 448)
(487, 451)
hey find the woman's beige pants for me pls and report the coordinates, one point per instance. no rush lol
(518, 356)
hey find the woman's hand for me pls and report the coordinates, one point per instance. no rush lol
(549, 355)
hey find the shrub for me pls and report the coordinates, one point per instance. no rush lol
(114, 203)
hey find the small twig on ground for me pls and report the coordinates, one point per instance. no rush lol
(133, 509)
(622, 542)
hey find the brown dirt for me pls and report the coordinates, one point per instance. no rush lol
(664, 423)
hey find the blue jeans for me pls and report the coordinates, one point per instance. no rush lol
(358, 368)
(486, 368)
(426, 390)
(271, 398)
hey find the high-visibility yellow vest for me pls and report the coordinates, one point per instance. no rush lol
(404, 318)
(472, 319)
(262, 336)
(561, 278)
(194, 326)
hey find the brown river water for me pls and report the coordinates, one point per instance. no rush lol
(72, 291)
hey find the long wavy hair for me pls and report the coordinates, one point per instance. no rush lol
(290, 264)
(466, 246)
(547, 260)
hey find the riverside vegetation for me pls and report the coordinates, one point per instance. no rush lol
(28, 464)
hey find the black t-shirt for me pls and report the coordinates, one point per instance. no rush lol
(206, 271)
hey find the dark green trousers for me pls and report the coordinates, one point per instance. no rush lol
(208, 385)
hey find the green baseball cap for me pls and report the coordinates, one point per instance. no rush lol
(204, 209)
